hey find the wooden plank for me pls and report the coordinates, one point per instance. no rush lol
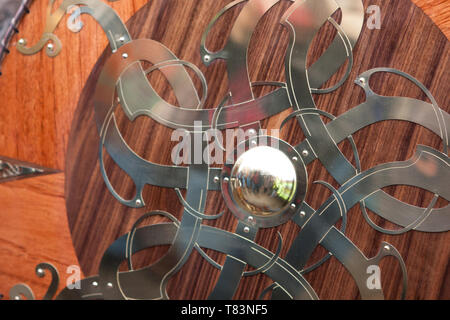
(33, 229)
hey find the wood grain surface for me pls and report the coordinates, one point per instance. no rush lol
(51, 90)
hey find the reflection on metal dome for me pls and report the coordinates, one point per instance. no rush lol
(263, 181)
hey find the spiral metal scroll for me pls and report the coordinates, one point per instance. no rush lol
(122, 76)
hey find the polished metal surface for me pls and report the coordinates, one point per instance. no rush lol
(100, 11)
(266, 186)
(263, 181)
(12, 169)
(360, 187)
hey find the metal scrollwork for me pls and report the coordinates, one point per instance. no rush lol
(257, 196)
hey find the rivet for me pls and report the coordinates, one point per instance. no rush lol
(302, 214)
(22, 41)
(305, 153)
(122, 39)
(40, 271)
(295, 158)
(293, 205)
(109, 285)
(125, 55)
(50, 46)
(362, 80)
(387, 248)
(216, 179)
(250, 219)
(207, 58)
(226, 179)
(16, 298)
(138, 202)
(95, 283)
(252, 131)
(246, 229)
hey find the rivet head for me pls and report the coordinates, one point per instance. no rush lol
(226, 179)
(293, 205)
(50, 46)
(21, 41)
(254, 143)
(216, 179)
(362, 80)
(122, 39)
(40, 271)
(207, 58)
(95, 284)
(138, 202)
(125, 55)
(17, 298)
(387, 248)
(252, 131)
(109, 285)
(305, 153)
(246, 229)
(250, 219)
(302, 214)
(294, 158)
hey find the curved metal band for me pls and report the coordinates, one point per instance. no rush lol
(380, 108)
(321, 143)
(209, 237)
(409, 172)
(236, 48)
(104, 14)
(138, 97)
(357, 264)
